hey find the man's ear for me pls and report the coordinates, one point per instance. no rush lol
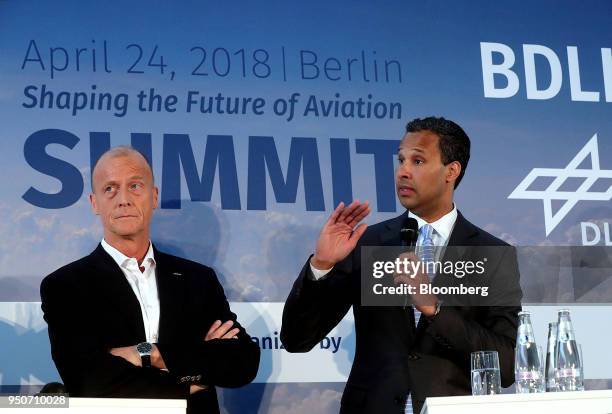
(94, 205)
(155, 197)
(453, 170)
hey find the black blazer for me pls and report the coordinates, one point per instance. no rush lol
(392, 357)
(91, 308)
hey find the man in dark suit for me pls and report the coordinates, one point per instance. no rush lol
(395, 359)
(130, 321)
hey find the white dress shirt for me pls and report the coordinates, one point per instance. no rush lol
(443, 227)
(144, 285)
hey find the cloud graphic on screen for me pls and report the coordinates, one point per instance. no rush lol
(35, 242)
(307, 402)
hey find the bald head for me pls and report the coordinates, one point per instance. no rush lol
(119, 152)
(124, 196)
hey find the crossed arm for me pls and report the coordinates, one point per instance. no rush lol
(218, 330)
(224, 356)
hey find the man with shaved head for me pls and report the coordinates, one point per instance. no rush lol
(130, 321)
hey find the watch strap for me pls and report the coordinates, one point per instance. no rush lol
(146, 361)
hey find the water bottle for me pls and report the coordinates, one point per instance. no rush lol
(569, 365)
(528, 366)
(551, 358)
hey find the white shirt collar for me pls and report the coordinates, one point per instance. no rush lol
(122, 259)
(443, 226)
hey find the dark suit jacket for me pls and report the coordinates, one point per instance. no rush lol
(392, 357)
(91, 308)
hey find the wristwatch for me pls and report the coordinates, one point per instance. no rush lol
(145, 349)
(438, 306)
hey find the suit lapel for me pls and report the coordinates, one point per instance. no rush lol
(391, 235)
(463, 231)
(171, 292)
(458, 242)
(112, 283)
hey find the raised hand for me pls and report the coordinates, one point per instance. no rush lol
(340, 234)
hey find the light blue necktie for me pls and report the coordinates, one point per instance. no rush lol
(427, 250)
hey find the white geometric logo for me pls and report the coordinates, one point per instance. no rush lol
(560, 175)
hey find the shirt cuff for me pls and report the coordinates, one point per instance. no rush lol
(318, 274)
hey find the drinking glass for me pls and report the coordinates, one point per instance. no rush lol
(486, 378)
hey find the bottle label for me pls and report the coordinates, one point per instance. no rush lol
(527, 375)
(568, 372)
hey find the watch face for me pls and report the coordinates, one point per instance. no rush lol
(144, 348)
